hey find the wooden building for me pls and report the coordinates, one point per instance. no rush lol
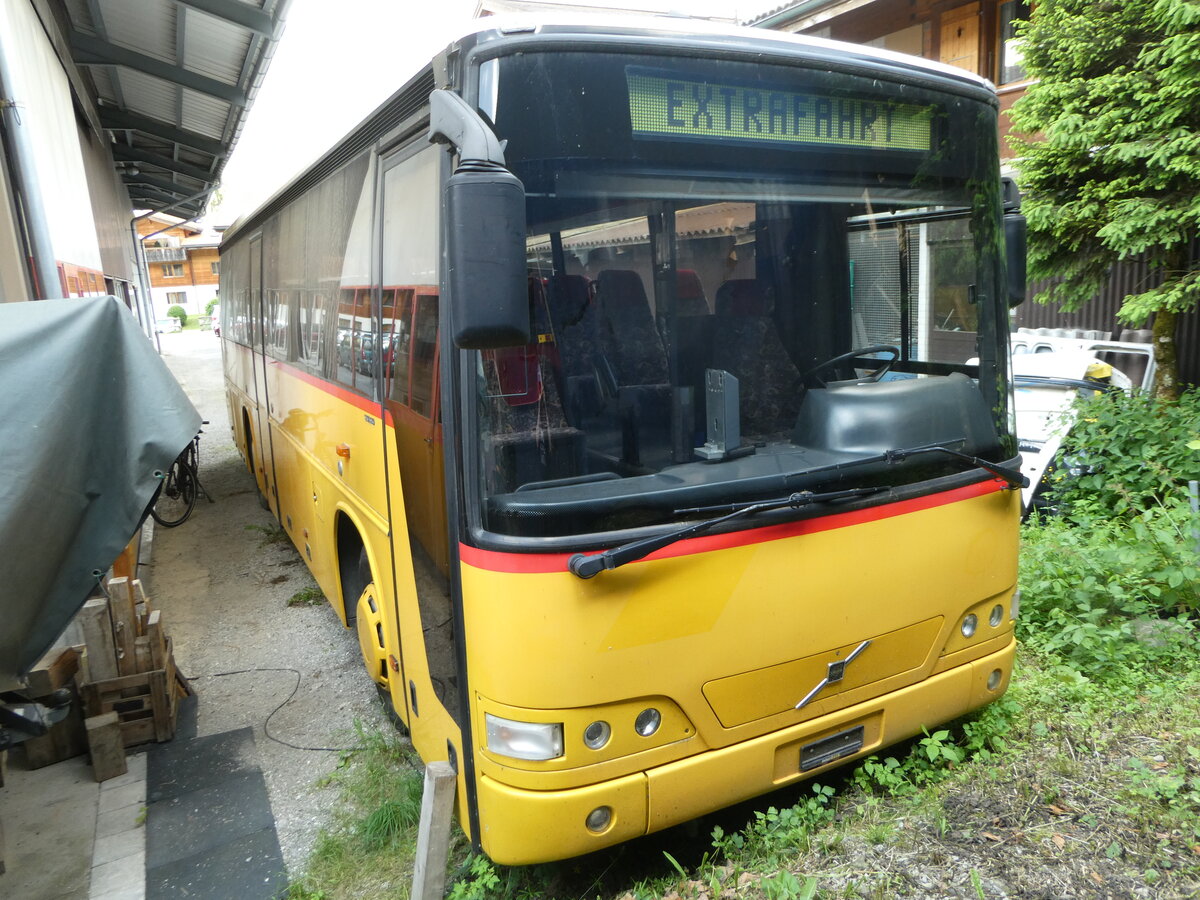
(182, 262)
(976, 36)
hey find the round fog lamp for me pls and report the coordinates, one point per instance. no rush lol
(647, 722)
(599, 819)
(994, 679)
(968, 625)
(596, 735)
(997, 616)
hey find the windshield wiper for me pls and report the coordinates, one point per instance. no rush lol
(1014, 477)
(587, 565)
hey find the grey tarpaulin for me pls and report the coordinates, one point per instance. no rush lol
(88, 415)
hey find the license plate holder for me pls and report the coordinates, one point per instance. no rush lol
(827, 749)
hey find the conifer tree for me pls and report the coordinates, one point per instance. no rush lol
(1109, 157)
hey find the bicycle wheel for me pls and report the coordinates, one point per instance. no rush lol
(176, 496)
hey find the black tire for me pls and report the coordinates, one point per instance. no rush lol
(176, 496)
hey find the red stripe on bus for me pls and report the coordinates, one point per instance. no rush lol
(330, 387)
(542, 563)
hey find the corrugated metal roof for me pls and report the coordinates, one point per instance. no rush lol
(172, 80)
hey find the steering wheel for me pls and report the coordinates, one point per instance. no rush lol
(812, 377)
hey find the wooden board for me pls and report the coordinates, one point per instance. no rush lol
(97, 632)
(53, 671)
(122, 607)
(156, 640)
(125, 565)
(105, 746)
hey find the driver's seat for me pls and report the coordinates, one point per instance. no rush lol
(749, 348)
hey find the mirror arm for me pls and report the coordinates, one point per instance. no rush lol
(453, 121)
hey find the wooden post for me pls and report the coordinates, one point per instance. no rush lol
(52, 671)
(97, 632)
(106, 747)
(157, 640)
(124, 623)
(433, 838)
(125, 565)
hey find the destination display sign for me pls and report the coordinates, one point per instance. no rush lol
(664, 105)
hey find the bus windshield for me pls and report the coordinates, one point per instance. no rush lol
(738, 275)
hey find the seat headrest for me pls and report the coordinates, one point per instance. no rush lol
(742, 297)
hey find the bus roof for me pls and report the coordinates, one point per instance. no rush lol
(682, 27)
(658, 31)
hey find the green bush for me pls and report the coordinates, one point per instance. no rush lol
(179, 313)
(1134, 451)
(1113, 593)
(208, 307)
(1114, 583)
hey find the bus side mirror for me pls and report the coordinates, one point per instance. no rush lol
(1014, 251)
(489, 291)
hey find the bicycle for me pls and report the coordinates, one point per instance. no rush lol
(176, 495)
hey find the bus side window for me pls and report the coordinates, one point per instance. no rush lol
(277, 324)
(424, 345)
(396, 362)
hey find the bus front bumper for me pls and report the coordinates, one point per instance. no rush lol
(520, 827)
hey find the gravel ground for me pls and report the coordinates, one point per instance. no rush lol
(223, 580)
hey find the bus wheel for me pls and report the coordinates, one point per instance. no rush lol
(389, 708)
(369, 619)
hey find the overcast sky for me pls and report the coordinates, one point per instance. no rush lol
(338, 61)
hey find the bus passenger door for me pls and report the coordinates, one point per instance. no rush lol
(259, 436)
(410, 239)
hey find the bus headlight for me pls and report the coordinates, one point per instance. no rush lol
(968, 625)
(997, 616)
(597, 734)
(524, 740)
(647, 722)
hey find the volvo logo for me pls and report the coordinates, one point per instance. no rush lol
(837, 671)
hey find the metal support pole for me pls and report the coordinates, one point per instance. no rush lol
(23, 169)
(145, 300)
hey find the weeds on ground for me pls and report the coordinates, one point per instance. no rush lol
(368, 850)
(307, 596)
(271, 534)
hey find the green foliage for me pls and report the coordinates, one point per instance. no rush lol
(936, 755)
(778, 833)
(307, 596)
(786, 886)
(208, 307)
(389, 818)
(1143, 452)
(1113, 584)
(179, 313)
(1110, 166)
(1096, 595)
(479, 884)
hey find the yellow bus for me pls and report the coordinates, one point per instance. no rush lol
(639, 393)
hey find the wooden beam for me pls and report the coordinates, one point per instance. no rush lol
(124, 623)
(98, 635)
(433, 837)
(105, 746)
